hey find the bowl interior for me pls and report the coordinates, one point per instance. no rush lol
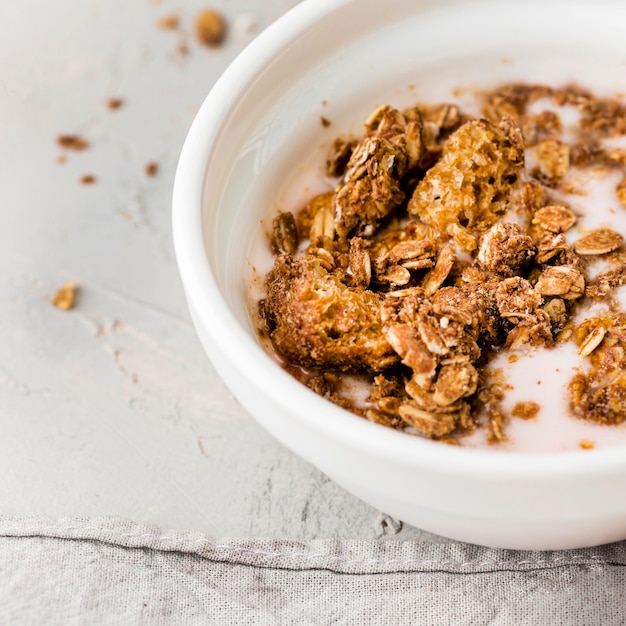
(338, 60)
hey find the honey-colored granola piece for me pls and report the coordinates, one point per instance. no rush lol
(561, 280)
(505, 249)
(553, 248)
(554, 218)
(604, 284)
(526, 410)
(398, 253)
(430, 424)
(371, 187)
(557, 312)
(315, 319)
(440, 272)
(553, 159)
(316, 218)
(455, 381)
(600, 241)
(534, 330)
(360, 262)
(516, 299)
(470, 185)
(599, 394)
(412, 350)
(592, 341)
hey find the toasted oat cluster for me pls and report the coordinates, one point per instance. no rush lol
(440, 248)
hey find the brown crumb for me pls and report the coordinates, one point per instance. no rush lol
(72, 142)
(152, 169)
(513, 358)
(183, 48)
(210, 28)
(526, 410)
(585, 444)
(115, 103)
(61, 159)
(169, 22)
(87, 179)
(65, 297)
(325, 122)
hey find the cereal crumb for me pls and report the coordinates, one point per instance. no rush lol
(183, 48)
(513, 358)
(526, 410)
(325, 122)
(585, 444)
(72, 142)
(88, 179)
(210, 28)
(115, 103)
(65, 296)
(243, 26)
(152, 169)
(169, 22)
(61, 159)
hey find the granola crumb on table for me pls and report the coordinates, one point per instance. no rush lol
(438, 250)
(65, 296)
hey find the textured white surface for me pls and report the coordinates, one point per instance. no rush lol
(112, 408)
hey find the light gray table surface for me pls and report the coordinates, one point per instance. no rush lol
(113, 408)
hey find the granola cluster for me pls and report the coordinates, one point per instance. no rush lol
(438, 249)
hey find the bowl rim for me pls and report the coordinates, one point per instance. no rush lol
(203, 293)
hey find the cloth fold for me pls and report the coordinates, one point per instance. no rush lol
(112, 570)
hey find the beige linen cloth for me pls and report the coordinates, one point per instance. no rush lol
(114, 571)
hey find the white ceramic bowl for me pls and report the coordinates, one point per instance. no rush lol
(260, 126)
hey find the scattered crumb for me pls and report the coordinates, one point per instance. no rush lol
(324, 103)
(169, 22)
(539, 382)
(585, 444)
(243, 26)
(183, 48)
(526, 410)
(88, 179)
(114, 103)
(65, 296)
(61, 159)
(152, 168)
(325, 122)
(72, 142)
(513, 358)
(210, 28)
